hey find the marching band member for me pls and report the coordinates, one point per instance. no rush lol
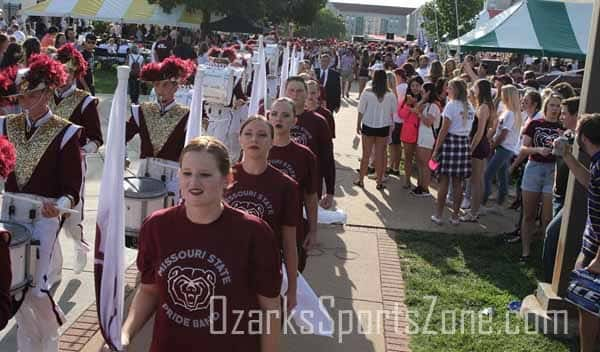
(206, 266)
(312, 131)
(314, 104)
(161, 124)
(264, 191)
(224, 120)
(298, 162)
(48, 170)
(81, 108)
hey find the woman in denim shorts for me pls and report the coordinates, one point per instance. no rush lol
(538, 177)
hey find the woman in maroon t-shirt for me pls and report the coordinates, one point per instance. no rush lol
(262, 190)
(205, 266)
(298, 162)
(538, 177)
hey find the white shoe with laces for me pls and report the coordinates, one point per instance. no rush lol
(469, 217)
(437, 220)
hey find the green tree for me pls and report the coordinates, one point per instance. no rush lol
(445, 12)
(249, 8)
(301, 12)
(325, 25)
(275, 11)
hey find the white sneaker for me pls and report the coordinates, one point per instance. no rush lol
(80, 261)
(469, 217)
(454, 221)
(436, 220)
(466, 203)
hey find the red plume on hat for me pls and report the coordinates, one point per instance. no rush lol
(229, 53)
(151, 72)
(215, 52)
(171, 68)
(42, 72)
(8, 157)
(7, 81)
(176, 69)
(72, 58)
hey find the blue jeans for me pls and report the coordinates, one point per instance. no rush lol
(497, 166)
(551, 238)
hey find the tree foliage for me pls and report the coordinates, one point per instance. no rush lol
(249, 8)
(445, 12)
(302, 12)
(325, 25)
(275, 11)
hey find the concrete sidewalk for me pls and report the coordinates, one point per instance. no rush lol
(357, 264)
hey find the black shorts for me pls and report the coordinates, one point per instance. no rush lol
(375, 132)
(396, 134)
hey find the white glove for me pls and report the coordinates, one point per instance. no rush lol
(64, 202)
(90, 147)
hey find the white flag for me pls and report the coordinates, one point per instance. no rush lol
(194, 123)
(285, 70)
(109, 268)
(293, 63)
(259, 82)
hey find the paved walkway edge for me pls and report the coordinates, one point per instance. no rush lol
(395, 321)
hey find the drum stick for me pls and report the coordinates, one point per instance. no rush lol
(37, 202)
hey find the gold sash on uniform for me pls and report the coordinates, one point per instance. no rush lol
(67, 105)
(30, 152)
(160, 126)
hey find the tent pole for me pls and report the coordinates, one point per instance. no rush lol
(457, 30)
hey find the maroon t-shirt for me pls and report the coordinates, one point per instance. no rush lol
(312, 131)
(272, 196)
(326, 113)
(298, 162)
(542, 134)
(206, 273)
(5, 280)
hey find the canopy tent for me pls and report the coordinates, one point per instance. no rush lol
(235, 24)
(535, 27)
(127, 11)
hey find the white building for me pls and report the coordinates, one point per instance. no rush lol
(362, 19)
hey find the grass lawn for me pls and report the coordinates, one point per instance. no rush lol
(468, 273)
(105, 80)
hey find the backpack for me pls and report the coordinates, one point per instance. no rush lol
(136, 67)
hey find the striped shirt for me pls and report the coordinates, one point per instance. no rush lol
(591, 235)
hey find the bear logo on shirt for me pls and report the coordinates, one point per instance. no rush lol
(251, 208)
(300, 135)
(191, 288)
(544, 137)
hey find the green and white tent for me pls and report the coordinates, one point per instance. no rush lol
(537, 27)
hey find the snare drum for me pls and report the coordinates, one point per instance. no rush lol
(19, 261)
(143, 196)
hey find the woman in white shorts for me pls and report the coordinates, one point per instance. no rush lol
(429, 123)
